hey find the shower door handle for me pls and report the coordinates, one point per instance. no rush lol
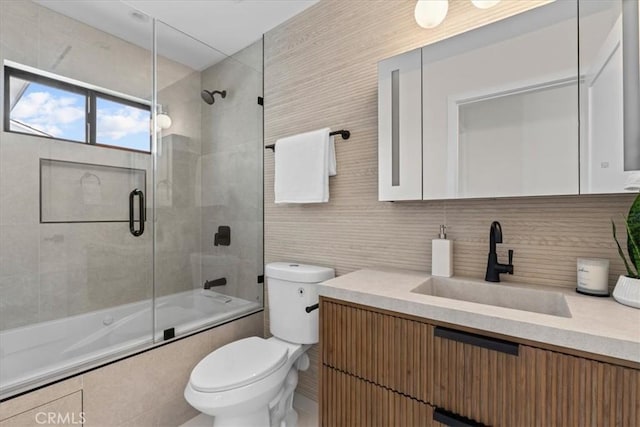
(132, 224)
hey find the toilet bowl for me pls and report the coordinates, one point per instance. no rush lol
(250, 382)
(243, 377)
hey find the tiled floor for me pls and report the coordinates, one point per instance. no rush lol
(201, 420)
(307, 414)
(307, 411)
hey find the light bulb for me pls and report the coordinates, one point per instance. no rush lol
(484, 4)
(163, 121)
(431, 13)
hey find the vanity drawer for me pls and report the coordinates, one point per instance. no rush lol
(501, 383)
(477, 377)
(390, 351)
(559, 389)
(349, 401)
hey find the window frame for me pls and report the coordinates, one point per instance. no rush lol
(90, 109)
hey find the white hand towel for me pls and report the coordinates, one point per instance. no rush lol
(333, 171)
(302, 165)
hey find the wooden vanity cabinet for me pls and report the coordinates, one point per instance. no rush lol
(386, 361)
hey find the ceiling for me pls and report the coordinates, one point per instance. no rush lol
(225, 25)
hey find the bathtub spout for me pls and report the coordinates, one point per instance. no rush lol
(208, 284)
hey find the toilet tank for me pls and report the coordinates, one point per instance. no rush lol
(291, 288)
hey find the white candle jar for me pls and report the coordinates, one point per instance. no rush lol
(593, 276)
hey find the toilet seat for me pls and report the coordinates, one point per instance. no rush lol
(237, 364)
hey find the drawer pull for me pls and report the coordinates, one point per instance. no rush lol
(478, 340)
(453, 420)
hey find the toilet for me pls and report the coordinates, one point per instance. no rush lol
(250, 382)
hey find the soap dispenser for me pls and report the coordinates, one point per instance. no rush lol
(442, 255)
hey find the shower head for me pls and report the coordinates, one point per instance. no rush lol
(207, 95)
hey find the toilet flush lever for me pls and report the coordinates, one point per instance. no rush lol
(311, 308)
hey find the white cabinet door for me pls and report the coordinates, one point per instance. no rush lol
(400, 127)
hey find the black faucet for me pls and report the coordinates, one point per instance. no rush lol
(494, 268)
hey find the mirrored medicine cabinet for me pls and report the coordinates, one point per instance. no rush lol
(545, 102)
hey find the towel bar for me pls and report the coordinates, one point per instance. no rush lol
(345, 134)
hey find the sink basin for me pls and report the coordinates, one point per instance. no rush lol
(500, 295)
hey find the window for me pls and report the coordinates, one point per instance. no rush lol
(46, 110)
(45, 107)
(122, 124)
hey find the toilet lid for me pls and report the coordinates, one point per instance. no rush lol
(236, 364)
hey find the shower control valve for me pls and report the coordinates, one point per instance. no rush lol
(223, 236)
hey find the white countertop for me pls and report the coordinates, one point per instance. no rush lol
(597, 325)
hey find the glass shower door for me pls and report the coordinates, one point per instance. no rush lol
(76, 253)
(208, 225)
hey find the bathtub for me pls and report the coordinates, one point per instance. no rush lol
(35, 353)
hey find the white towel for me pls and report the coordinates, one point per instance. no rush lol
(303, 164)
(333, 171)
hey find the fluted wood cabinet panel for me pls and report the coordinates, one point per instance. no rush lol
(353, 402)
(562, 390)
(390, 351)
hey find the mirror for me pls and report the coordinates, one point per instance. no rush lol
(609, 95)
(520, 108)
(500, 114)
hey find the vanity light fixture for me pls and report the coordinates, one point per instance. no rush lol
(431, 13)
(484, 4)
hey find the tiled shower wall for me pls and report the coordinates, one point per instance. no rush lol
(210, 174)
(178, 233)
(231, 170)
(321, 71)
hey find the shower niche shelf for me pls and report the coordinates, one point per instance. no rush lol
(72, 192)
